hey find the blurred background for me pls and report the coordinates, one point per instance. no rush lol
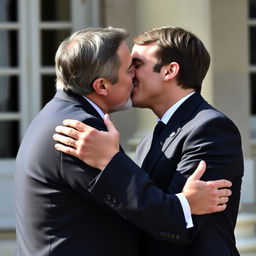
(31, 30)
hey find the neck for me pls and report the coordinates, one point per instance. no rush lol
(98, 101)
(170, 99)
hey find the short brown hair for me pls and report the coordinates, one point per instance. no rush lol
(178, 45)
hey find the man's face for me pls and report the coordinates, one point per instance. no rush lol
(147, 82)
(120, 92)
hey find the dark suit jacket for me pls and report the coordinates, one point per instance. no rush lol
(56, 213)
(196, 131)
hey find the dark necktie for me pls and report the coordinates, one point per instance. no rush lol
(157, 131)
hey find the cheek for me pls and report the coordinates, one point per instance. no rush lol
(145, 79)
(127, 84)
(124, 92)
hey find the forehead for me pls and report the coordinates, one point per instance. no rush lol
(144, 51)
(124, 53)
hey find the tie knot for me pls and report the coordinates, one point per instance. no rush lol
(159, 127)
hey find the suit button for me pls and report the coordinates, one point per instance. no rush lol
(114, 201)
(111, 200)
(107, 197)
(162, 234)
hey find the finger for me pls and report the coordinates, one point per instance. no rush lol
(223, 200)
(220, 183)
(109, 124)
(224, 192)
(67, 131)
(200, 170)
(65, 140)
(77, 125)
(64, 149)
(219, 208)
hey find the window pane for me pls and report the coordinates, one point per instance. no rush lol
(253, 93)
(9, 93)
(48, 88)
(8, 10)
(252, 9)
(9, 134)
(253, 45)
(51, 40)
(8, 48)
(55, 10)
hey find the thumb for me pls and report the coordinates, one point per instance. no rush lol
(200, 170)
(109, 124)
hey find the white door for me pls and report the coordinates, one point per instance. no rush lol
(30, 32)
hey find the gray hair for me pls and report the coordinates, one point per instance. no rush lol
(87, 55)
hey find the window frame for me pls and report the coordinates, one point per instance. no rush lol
(30, 71)
(252, 70)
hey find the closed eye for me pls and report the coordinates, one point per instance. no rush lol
(137, 63)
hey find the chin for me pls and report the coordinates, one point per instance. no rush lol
(135, 103)
(138, 104)
(128, 104)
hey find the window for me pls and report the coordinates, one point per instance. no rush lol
(30, 32)
(9, 79)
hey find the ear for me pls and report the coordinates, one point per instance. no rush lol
(99, 86)
(171, 71)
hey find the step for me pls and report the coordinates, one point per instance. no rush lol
(7, 247)
(246, 245)
(246, 225)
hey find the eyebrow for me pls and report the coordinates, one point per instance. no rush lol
(135, 59)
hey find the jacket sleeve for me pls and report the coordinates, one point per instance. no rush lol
(126, 188)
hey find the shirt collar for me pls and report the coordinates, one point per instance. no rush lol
(166, 117)
(169, 113)
(96, 107)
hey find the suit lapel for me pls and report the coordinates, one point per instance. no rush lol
(161, 144)
(184, 113)
(77, 99)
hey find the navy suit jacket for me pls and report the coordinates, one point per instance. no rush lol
(195, 132)
(56, 213)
